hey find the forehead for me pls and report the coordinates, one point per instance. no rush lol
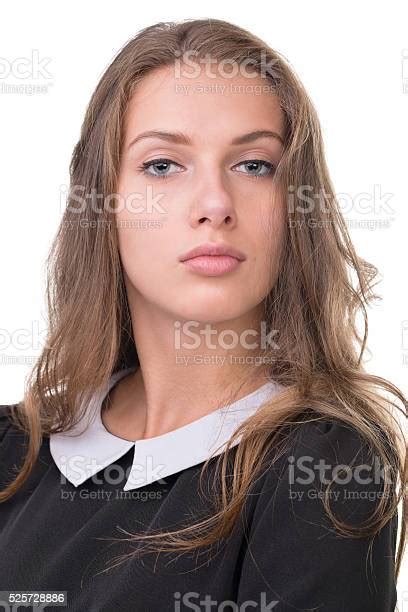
(215, 106)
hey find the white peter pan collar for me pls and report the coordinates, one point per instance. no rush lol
(81, 453)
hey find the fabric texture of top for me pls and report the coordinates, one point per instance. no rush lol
(283, 554)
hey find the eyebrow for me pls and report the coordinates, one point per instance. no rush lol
(180, 138)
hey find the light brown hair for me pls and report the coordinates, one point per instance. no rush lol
(322, 286)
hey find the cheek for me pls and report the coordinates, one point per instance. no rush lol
(141, 250)
(135, 196)
(138, 226)
(266, 233)
(147, 252)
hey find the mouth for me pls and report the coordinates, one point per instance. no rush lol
(212, 265)
(213, 259)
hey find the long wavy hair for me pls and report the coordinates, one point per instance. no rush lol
(322, 286)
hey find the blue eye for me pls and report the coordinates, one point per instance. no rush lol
(160, 167)
(257, 167)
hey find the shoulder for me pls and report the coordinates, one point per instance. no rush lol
(331, 435)
(296, 550)
(332, 439)
(5, 419)
(12, 438)
(7, 443)
(324, 437)
(332, 460)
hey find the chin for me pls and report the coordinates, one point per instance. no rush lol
(214, 313)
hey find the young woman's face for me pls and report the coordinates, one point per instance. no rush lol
(206, 189)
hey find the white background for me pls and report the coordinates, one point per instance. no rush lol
(349, 56)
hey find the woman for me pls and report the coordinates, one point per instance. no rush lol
(202, 390)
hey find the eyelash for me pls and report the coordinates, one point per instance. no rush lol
(146, 165)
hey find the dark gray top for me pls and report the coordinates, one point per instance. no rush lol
(284, 553)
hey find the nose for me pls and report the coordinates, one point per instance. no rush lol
(212, 203)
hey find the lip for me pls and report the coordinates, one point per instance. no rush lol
(213, 249)
(212, 259)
